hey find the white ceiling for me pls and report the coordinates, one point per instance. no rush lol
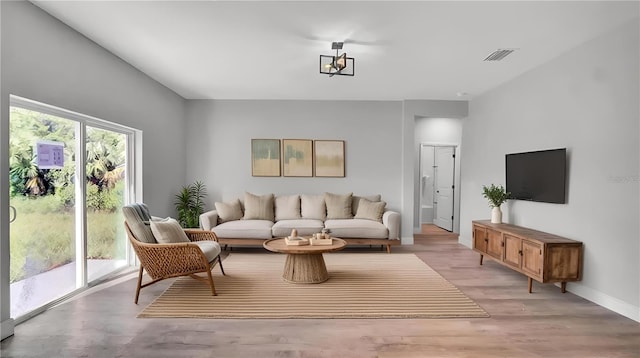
(403, 50)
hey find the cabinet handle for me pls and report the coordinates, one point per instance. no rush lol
(520, 252)
(502, 243)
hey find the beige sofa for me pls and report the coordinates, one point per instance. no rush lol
(357, 219)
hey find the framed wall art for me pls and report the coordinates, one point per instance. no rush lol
(297, 157)
(265, 157)
(329, 158)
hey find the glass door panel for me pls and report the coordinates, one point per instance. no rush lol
(42, 191)
(106, 173)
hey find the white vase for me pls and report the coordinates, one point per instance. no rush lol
(496, 215)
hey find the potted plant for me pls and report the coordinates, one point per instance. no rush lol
(189, 204)
(496, 194)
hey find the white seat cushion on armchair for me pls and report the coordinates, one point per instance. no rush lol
(211, 249)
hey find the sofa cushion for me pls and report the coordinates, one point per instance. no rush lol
(370, 210)
(313, 207)
(305, 227)
(211, 249)
(287, 207)
(168, 231)
(258, 207)
(357, 228)
(338, 206)
(244, 229)
(228, 211)
(355, 201)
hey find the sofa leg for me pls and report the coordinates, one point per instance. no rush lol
(388, 249)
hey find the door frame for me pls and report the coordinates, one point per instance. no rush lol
(456, 180)
(133, 175)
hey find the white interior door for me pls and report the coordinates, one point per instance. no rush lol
(445, 174)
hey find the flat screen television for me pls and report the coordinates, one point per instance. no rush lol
(537, 176)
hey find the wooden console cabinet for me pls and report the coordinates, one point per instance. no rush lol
(540, 256)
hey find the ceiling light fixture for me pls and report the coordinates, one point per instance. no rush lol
(339, 64)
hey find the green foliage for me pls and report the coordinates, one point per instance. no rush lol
(105, 158)
(43, 235)
(108, 200)
(189, 204)
(35, 250)
(496, 194)
(106, 236)
(26, 128)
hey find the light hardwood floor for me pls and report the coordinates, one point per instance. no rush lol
(546, 323)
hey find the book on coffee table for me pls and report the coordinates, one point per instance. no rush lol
(296, 241)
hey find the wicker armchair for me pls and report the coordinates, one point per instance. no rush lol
(162, 261)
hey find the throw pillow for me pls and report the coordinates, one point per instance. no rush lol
(313, 207)
(287, 207)
(168, 231)
(370, 210)
(356, 201)
(228, 211)
(258, 207)
(338, 206)
(137, 217)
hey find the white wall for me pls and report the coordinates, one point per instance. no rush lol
(438, 131)
(44, 60)
(219, 134)
(587, 101)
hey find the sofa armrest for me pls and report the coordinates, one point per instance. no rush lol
(208, 220)
(391, 219)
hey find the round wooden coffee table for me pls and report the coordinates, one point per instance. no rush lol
(304, 264)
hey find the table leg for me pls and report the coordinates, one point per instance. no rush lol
(563, 287)
(530, 284)
(481, 257)
(305, 268)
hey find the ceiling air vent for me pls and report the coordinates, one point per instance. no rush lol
(499, 54)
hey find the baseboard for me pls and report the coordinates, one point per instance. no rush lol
(6, 328)
(464, 241)
(618, 306)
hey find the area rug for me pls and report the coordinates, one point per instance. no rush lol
(361, 285)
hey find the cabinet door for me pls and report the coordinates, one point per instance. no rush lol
(512, 250)
(494, 244)
(532, 259)
(479, 238)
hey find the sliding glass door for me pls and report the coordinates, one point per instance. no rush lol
(42, 191)
(106, 194)
(69, 178)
